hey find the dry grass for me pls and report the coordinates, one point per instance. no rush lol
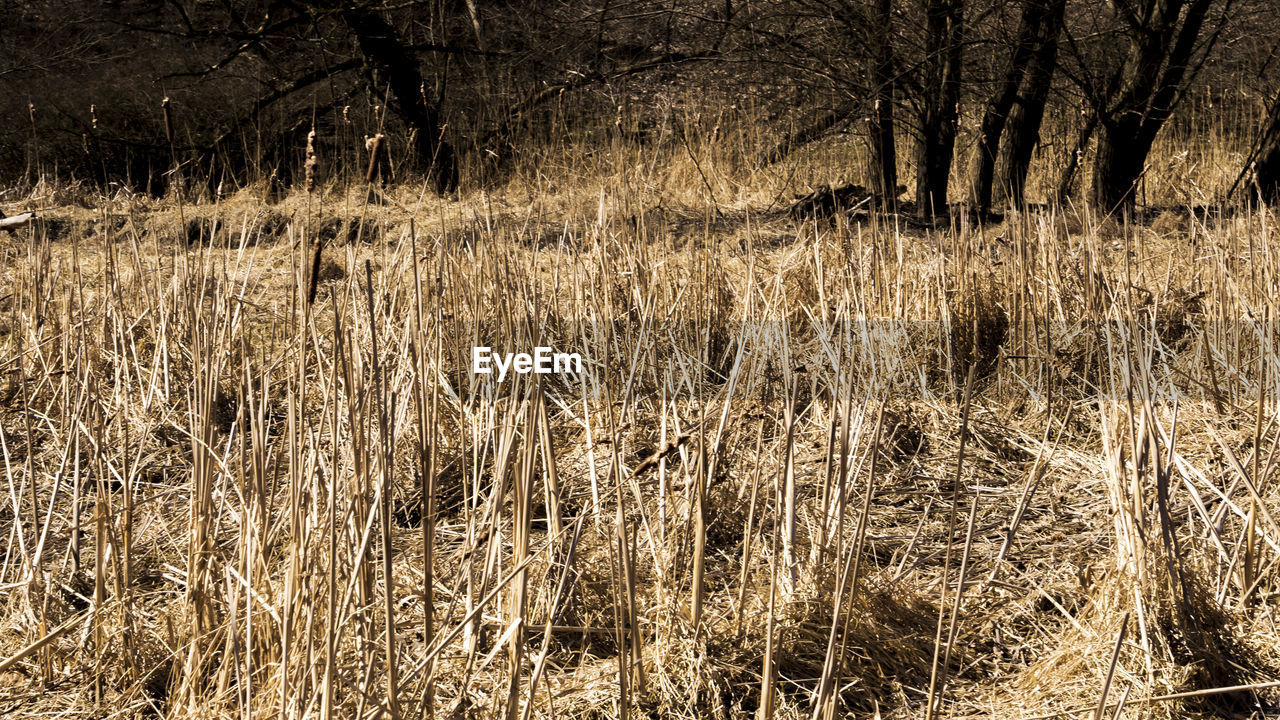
(809, 470)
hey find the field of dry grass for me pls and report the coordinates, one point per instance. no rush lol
(810, 469)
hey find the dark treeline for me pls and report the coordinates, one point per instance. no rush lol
(934, 89)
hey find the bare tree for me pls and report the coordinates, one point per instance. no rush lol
(388, 61)
(882, 170)
(1028, 109)
(939, 103)
(1018, 104)
(1164, 45)
(1267, 164)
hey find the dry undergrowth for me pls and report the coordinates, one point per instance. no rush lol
(776, 487)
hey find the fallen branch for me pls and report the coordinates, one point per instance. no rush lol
(811, 132)
(665, 451)
(17, 221)
(1164, 698)
(38, 644)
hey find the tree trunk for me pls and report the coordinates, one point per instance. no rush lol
(1267, 166)
(941, 100)
(1068, 178)
(1150, 84)
(999, 106)
(1119, 163)
(391, 65)
(882, 170)
(1023, 126)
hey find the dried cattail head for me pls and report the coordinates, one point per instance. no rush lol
(374, 146)
(310, 164)
(168, 121)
